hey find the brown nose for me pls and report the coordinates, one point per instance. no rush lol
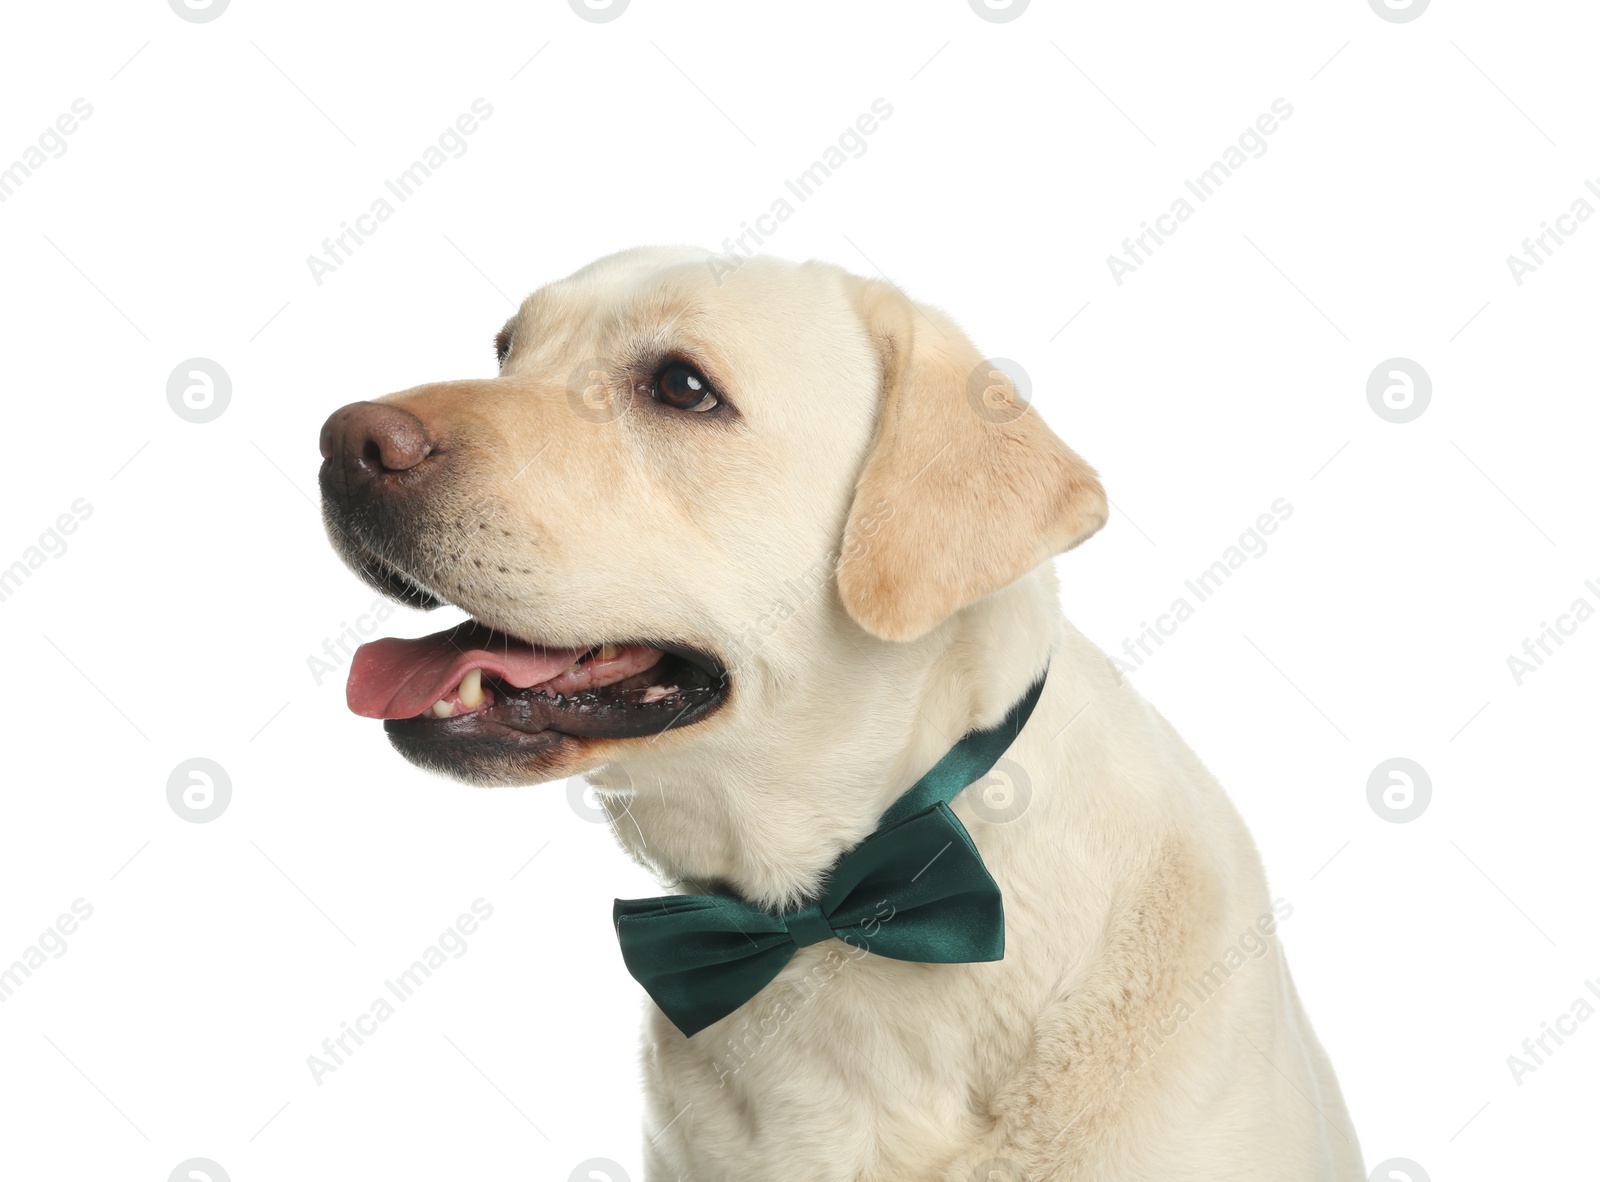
(371, 439)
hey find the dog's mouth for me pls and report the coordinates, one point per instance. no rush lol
(477, 703)
(450, 699)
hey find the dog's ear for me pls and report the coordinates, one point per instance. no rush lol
(964, 490)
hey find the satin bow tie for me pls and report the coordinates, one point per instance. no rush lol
(915, 889)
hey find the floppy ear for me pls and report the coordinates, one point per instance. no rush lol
(965, 489)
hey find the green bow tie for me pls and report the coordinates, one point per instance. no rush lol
(915, 889)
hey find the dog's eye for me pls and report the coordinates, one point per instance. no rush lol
(683, 387)
(502, 346)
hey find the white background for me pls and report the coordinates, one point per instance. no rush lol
(1227, 372)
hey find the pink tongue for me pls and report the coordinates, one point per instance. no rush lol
(393, 678)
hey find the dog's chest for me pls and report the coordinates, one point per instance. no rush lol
(841, 1064)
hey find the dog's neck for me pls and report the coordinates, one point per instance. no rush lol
(767, 818)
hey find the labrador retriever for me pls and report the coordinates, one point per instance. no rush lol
(771, 539)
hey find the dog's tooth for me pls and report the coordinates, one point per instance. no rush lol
(443, 709)
(471, 689)
(607, 651)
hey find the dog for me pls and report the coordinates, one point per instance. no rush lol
(771, 539)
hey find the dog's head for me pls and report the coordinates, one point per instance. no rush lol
(689, 487)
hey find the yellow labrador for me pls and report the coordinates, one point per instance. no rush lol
(774, 538)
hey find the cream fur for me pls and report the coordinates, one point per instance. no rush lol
(1127, 878)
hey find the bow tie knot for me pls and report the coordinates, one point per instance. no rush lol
(808, 925)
